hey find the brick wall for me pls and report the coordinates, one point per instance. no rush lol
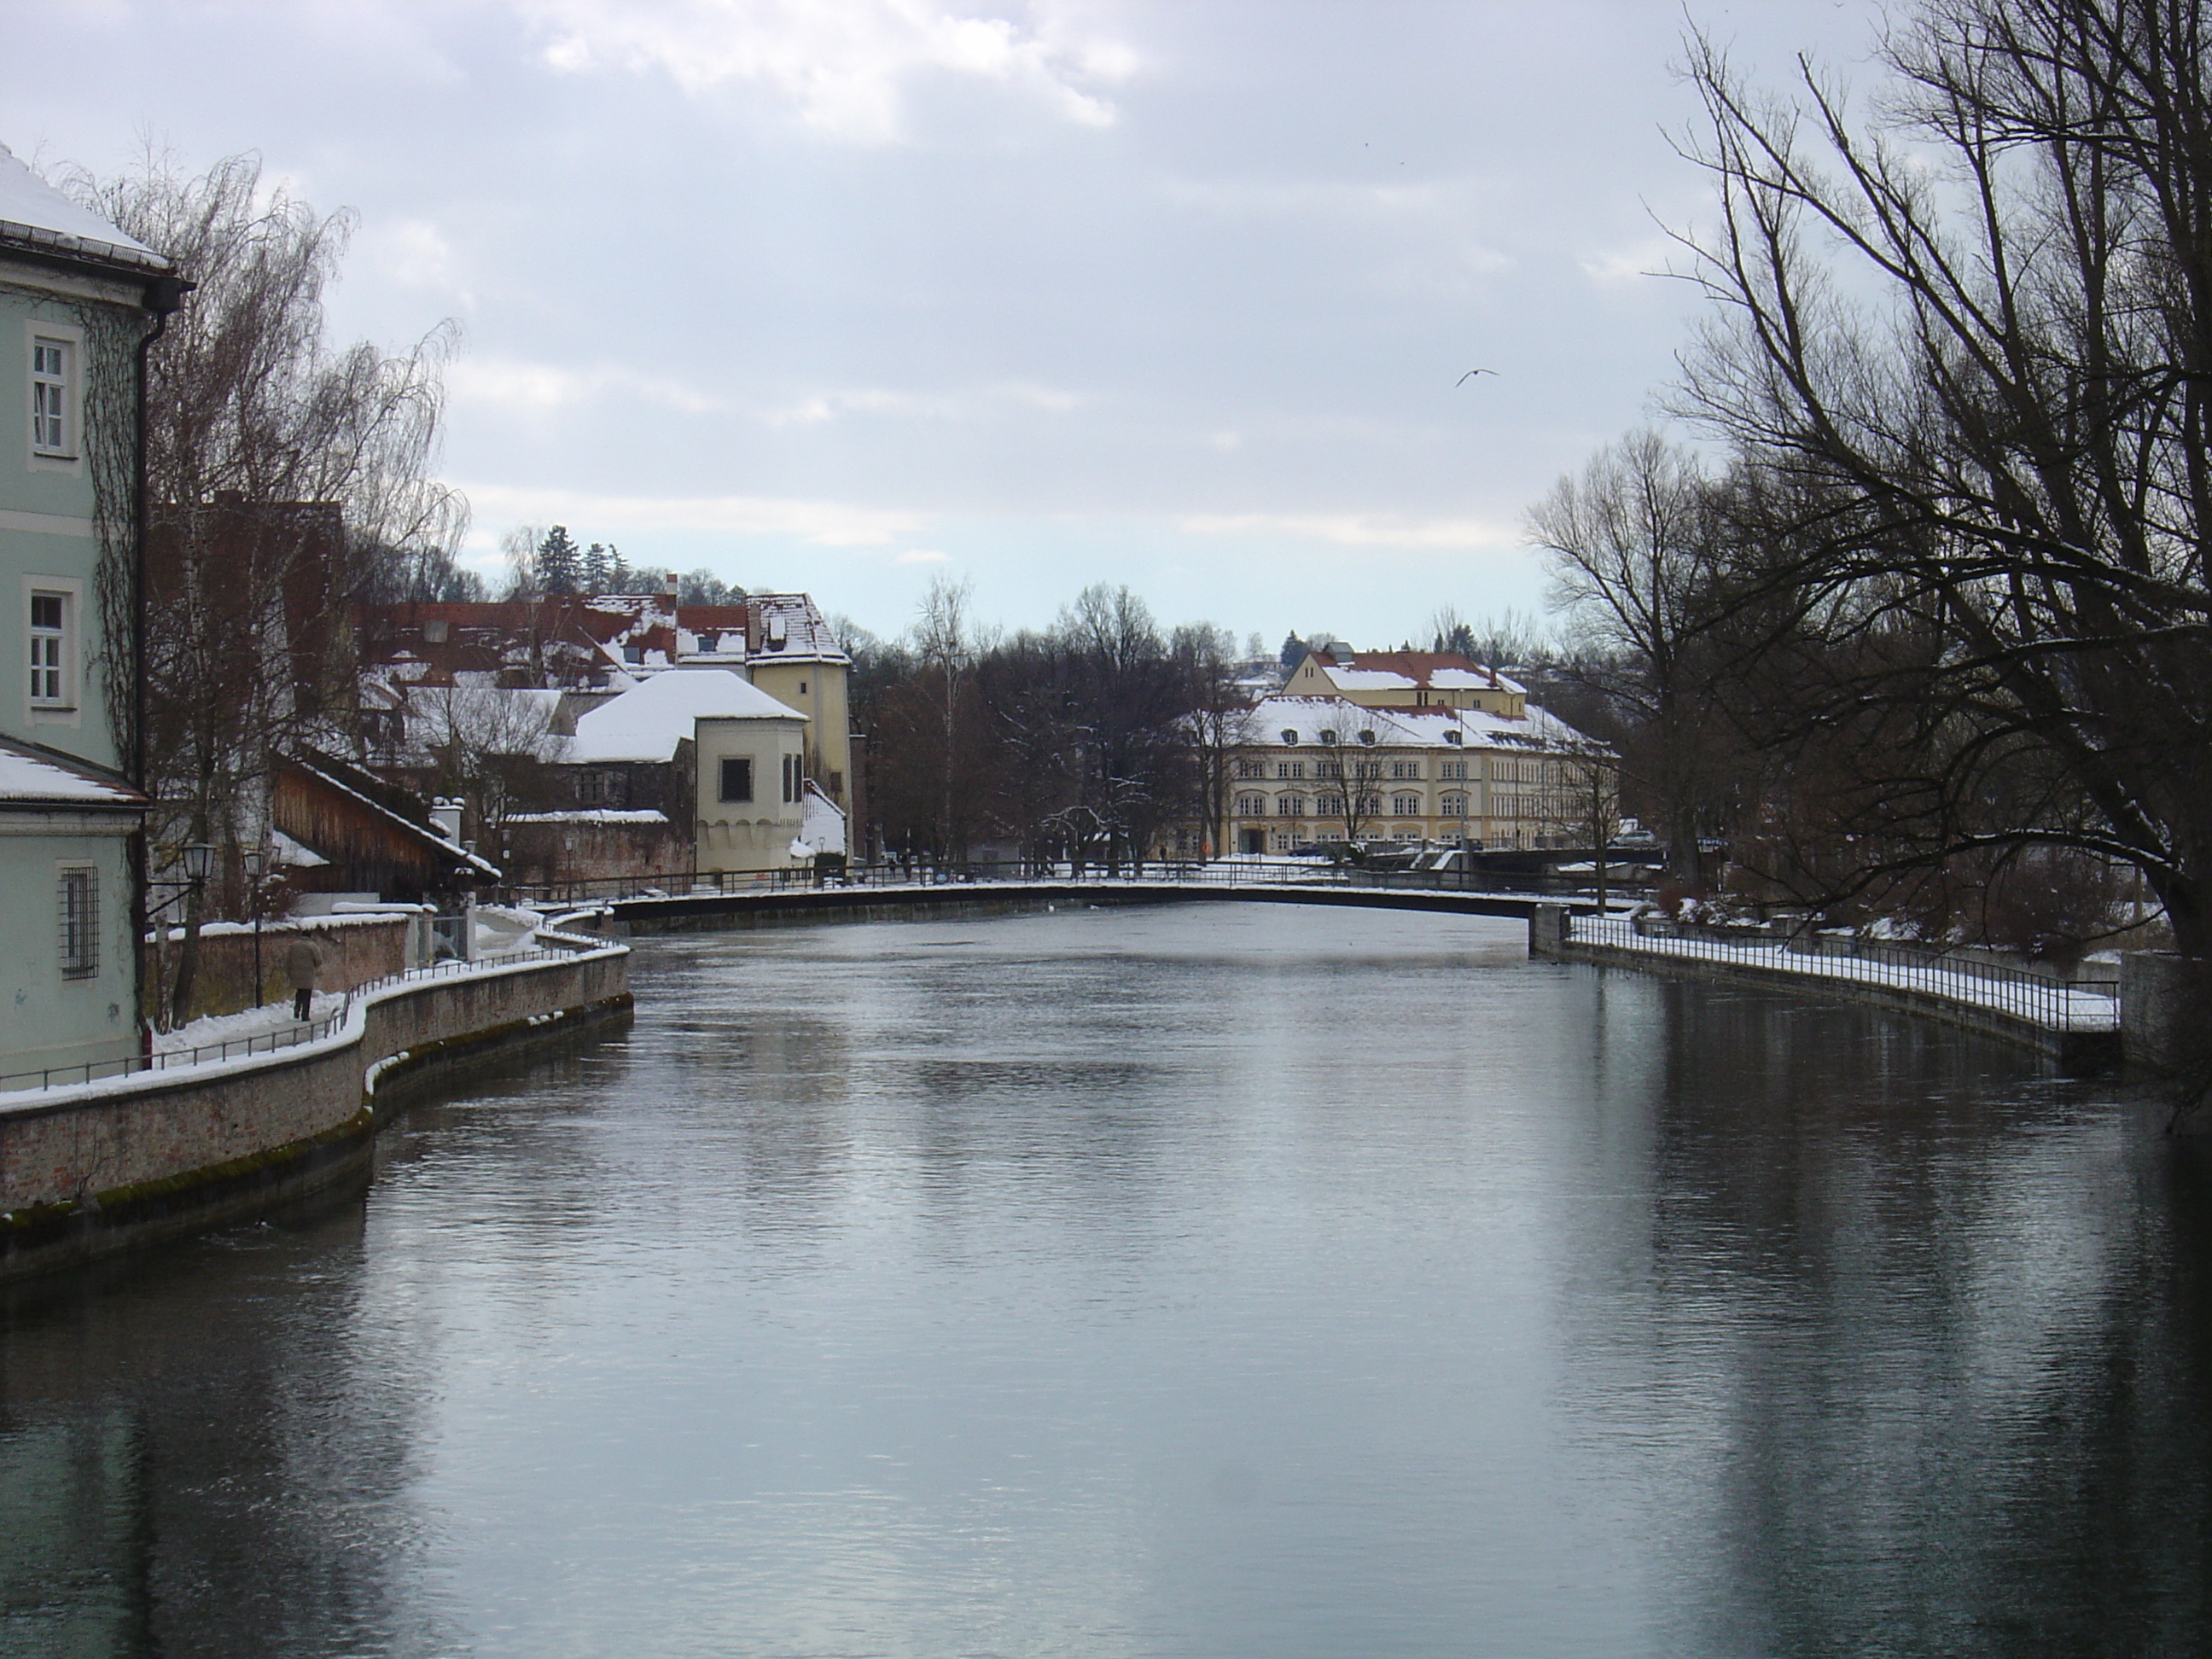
(355, 950)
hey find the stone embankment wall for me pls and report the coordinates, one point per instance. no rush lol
(101, 1167)
(355, 950)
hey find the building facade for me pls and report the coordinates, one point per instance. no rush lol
(78, 297)
(1314, 768)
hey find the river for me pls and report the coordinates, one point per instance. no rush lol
(1211, 1280)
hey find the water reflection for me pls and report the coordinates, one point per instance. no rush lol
(1216, 1280)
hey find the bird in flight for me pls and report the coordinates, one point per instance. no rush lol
(1471, 374)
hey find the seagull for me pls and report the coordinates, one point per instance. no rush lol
(1471, 374)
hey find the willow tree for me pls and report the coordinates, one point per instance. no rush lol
(1965, 332)
(282, 472)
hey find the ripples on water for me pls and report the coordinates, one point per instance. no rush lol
(1220, 1280)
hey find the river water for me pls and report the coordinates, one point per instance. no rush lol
(1212, 1280)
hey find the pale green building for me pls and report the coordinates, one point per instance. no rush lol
(77, 299)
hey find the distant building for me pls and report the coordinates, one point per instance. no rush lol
(1316, 768)
(76, 298)
(594, 647)
(1406, 679)
(733, 760)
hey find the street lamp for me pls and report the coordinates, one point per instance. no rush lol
(198, 856)
(252, 858)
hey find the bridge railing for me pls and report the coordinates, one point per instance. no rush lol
(2040, 993)
(1181, 872)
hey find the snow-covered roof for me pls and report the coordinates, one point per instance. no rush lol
(34, 780)
(822, 822)
(647, 722)
(328, 775)
(1400, 728)
(592, 815)
(1407, 670)
(33, 212)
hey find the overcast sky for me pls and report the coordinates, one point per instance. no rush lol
(840, 295)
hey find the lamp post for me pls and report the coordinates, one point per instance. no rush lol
(251, 858)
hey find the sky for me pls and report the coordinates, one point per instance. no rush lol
(845, 295)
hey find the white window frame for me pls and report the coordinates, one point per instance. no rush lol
(68, 454)
(65, 708)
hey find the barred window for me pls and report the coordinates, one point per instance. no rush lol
(79, 928)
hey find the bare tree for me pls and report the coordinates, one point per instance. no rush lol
(1965, 341)
(1635, 559)
(280, 471)
(489, 743)
(1205, 659)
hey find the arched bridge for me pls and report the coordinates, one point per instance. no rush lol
(709, 906)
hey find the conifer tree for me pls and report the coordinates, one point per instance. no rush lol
(560, 566)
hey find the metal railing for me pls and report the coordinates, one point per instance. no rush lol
(1181, 872)
(290, 1037)
(2039, 993)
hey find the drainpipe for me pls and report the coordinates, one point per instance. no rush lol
(163, 295)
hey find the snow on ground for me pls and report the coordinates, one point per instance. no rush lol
(2051, 1003)
(211, 1028)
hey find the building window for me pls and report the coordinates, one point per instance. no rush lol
(1406, 807)
(50, 397)
(1330, 806)
(1370, 806)
(1290, 769)
(1290, 734)
(790, 779)
(737, 777)
(1454, 806)
(1452, 769)
(1327, 770)
(1411, 769)
(1291, 807)
(50, 631)
(80, 923)
(1250, 768)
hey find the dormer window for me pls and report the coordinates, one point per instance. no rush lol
(1290, 734)
(1367, 737)
(1454, 737)
(1329, 734)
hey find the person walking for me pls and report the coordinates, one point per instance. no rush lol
(302, 963)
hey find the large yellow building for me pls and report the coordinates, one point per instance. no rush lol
(1413, 747)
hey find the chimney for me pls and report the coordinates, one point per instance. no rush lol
(445, 819)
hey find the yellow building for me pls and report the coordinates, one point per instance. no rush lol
(783, 644)
(1321, 767)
